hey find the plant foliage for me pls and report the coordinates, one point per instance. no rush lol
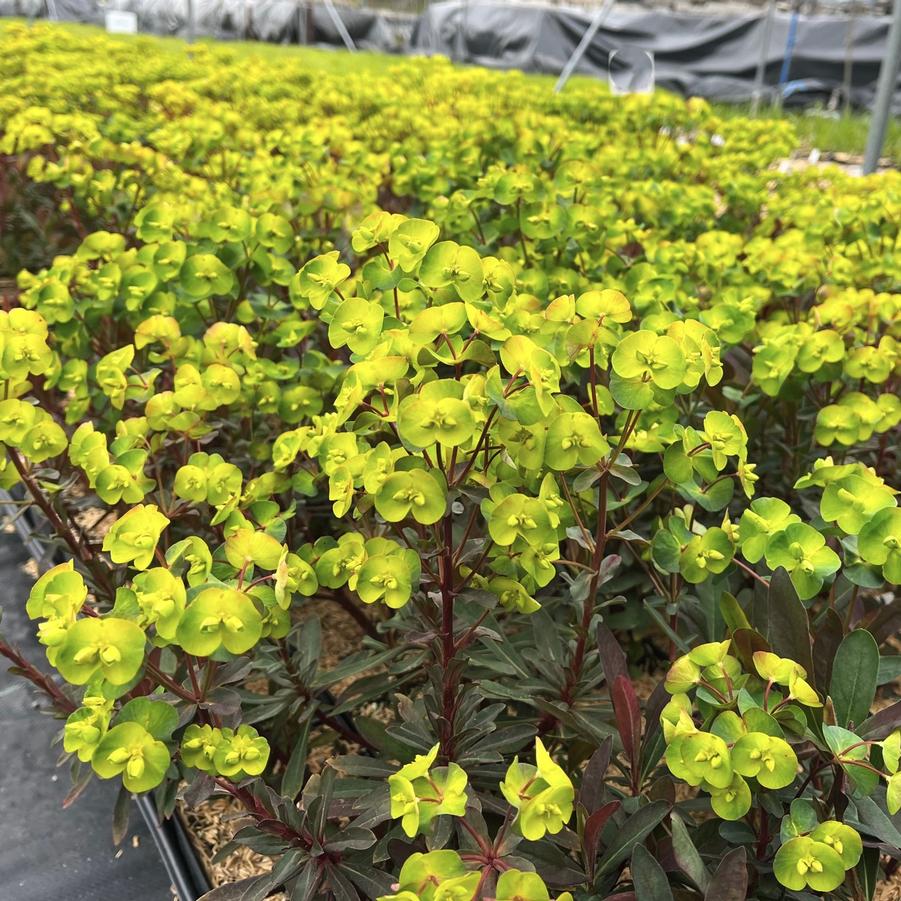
(542, 392)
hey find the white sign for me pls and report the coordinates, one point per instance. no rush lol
(118, 21)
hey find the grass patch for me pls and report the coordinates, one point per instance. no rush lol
(842, 134)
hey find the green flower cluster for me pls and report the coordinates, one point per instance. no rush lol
(443, 876)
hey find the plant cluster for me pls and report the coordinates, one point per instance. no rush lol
(536, 414)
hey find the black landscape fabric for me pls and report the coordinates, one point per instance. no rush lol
(695, 54)
(47, 852)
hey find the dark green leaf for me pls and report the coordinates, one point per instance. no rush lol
(854, 677)
(635, 830)
(235, 890)
(687, 855)
(873, 820)
(371, 882)
(120, 815)
(889, 669)
(648, 877)
(594, 826)
(292, 781)
(781, 618)
(730, 881)
(880, 724)
(829, 635)
(732, 612)
(613, 659)
(591, 791)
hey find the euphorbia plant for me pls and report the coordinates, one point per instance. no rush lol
(548, 423)
(478, 476)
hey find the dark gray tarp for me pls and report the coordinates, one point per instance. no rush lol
(272, 21)
(705, 55)
(695, 54)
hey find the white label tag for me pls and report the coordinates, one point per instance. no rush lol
(118, 21)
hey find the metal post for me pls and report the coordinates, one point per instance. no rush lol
(587, 38)
(785, 71)
(848, 74)
(339, 24)
(882, 105)
(459, 51)
(190, 24)
(764, 54)
(302, 36)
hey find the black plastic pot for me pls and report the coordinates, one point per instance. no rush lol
(183, 869)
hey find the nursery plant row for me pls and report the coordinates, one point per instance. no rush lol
(582, 410)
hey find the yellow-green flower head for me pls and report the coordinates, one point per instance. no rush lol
(517, 885)
(161, 597)
(192, 558)
(191, 483)
(84, 728)
(423, 874)
(245, 547)
(512, 595)
(726, 436)
(436, 415)
(706, 555)
(783, 671)
(59, 593)
(388, 578)
(843, 839)
(130, 750)
(879, 543)
(764, 517)
(700, 757)
(45, 439)
(241, 753)
(133, 537)
(23, 348)
(649, 357)
(676, 719)
(574, 439)
(767, 758)
(111, 647)
(16, 418)
(416, 493)
(731, 802)
(777, 669)
(199, 745)
(219, 618)
(685, 671)
(460, 888)
(803, 862)
(375, 229)
(451, 265)
(419, 793)
(682, 675)
(542, 794)
(801, 550)
(293, 574)
(340, 562)
(519, 516)
(315, 284)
